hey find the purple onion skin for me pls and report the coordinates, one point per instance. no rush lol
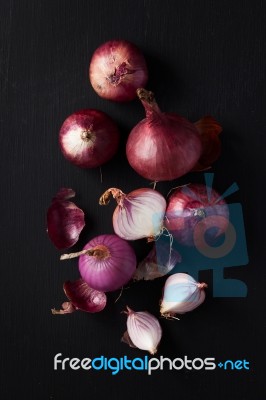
(163, 146)
(89, 138)
(83, 297)
(190, 205)
(117, 69)
(65, 220)
(114, 270)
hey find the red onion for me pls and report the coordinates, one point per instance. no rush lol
(81, 297)
(65, 220)
(196, 213)
(209, 131)
(117, 69)
(89, 138)
(181, 294)
(163, 146)
(138, 214)
(106, 263)
(143, 331)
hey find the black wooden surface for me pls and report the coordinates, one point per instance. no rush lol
(204, 57)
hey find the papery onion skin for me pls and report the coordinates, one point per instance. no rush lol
(112, 265)
(160, 261)
(190, 205)
(82, 298)
(139, 214)
(89, 138)
(209, 130)
(117, 69)
(163, 146)
(181, 294)
(65, 220)
(144, 330)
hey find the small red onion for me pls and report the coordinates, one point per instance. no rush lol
(194, 212)
(117, 69)
(106, 263)
(209, 131)
(143, 331)
(163, 146)
(181, 294)
(65, 220)
(81, 297)
(138, 214)
(89, 138)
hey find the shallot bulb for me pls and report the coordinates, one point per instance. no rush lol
(163, 146)
(196, 214)
(138, 214)
(89, 138)
(181, 294)
(117, 69)
(106, 263)
(143, 331)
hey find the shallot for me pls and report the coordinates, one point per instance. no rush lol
(138, 214)
(117, 69)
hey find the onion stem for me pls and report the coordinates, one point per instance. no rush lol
(100, 252)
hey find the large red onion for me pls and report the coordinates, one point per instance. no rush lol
(107, 263)
(117, 69)
(195, 212)
(162, 146)
(89, 138)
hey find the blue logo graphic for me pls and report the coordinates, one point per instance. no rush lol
(199, 253)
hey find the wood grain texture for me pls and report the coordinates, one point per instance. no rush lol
(204, 57)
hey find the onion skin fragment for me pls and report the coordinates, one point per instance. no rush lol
(81, 297)
(209, 130)
(65, 220)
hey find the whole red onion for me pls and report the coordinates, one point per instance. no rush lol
(196, 213)
(163, 146)
(89, 138)
(117, 69)
(109, 263)
(139, 214)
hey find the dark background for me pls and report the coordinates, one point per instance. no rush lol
(204, 57)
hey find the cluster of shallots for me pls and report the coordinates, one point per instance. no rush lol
(161, 147)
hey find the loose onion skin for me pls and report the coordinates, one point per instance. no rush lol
(65, 220)
(81, 297)
(89, 138)
(163, 146)
(109, 264)
(209, 130)
(117, 69)
(190, 208)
